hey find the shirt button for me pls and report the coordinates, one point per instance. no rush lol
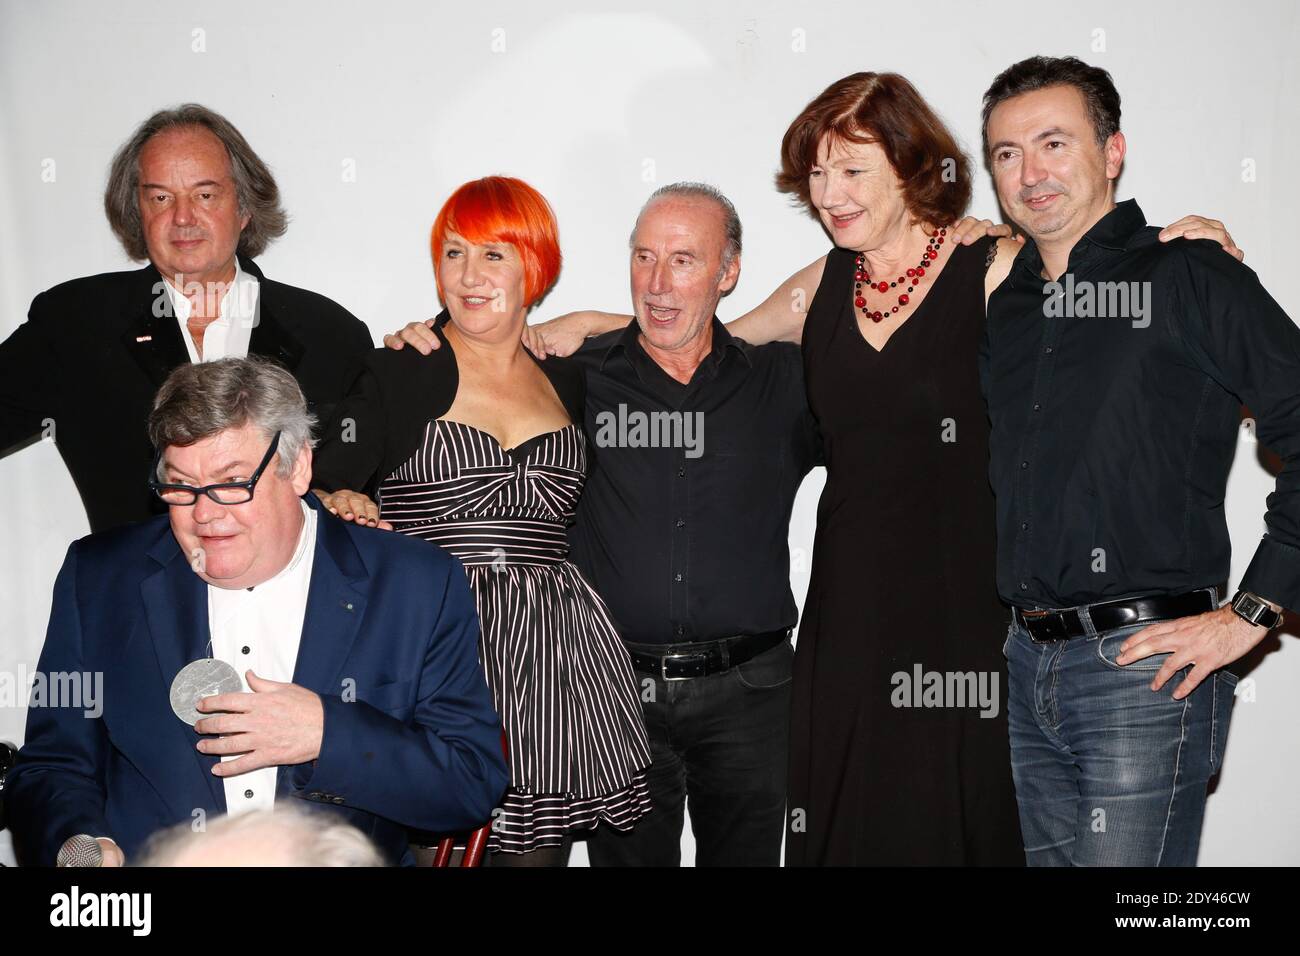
(248, 794)
(677, 576)
(681, 472)
(1024, 526)
(1024, 464)
(681, 523)
(1037, 406)
(244, 649)
(1024, 586)
(1048, 350)
(681, 629)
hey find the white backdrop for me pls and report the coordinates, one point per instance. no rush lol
(370, 114)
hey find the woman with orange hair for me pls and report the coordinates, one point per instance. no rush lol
(479, 448)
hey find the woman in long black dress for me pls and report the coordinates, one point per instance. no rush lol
(902, 587)
(898, 747)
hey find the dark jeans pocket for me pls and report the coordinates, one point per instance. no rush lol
(1225, 689)
(771, 669)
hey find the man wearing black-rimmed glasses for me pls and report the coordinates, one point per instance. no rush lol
(347, 657)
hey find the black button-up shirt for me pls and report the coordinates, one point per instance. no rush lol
(684, 521)
(1115, 419)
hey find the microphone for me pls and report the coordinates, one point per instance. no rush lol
(81, 850)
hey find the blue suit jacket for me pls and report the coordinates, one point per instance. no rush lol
(418, 745)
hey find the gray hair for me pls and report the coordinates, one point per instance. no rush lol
(305, 837)
(689, 190)
(201, 399)
(255, 188)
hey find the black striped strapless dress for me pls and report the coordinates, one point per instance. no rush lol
(559, 674)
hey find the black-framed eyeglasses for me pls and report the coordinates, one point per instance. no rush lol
(225, 493)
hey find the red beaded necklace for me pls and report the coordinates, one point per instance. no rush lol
(911, 280)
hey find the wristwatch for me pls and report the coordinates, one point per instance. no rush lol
(1254, 610)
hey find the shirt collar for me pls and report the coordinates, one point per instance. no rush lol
(630, 345)
(237, 293)
(1109, 234)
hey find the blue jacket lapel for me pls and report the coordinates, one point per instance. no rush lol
(336, 602)
(176, 607)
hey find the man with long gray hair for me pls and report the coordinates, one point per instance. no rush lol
(187, 193)
(250, 649)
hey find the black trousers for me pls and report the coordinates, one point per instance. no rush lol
(719, 747)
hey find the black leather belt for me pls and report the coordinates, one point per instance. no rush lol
(1045, 626)
(684, 661)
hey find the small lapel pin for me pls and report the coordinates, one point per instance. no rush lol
(144, 338)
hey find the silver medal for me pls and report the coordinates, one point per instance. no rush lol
(202, 678)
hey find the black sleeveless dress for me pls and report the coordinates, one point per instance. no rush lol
(884, 769)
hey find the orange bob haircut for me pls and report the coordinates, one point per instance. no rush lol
(503, 209)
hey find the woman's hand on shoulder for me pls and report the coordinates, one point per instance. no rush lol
(971, 229)
(352, 506)
(1199, 227)
(419, 335)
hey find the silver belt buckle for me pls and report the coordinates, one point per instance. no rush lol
(663, 664)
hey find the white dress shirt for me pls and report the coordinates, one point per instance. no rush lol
(228, 335)
(260, 629)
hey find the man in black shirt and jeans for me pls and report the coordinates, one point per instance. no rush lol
(1115, 368)
(686, 539)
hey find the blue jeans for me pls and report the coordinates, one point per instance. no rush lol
(1107, 771)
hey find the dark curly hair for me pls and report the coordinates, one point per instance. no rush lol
(1040, 72)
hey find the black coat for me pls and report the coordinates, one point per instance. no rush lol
(91, 355)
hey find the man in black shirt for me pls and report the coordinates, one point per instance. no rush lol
(1115, 368)
(686, 539)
